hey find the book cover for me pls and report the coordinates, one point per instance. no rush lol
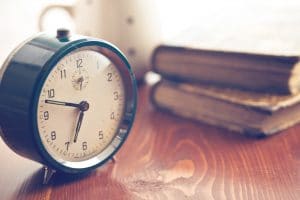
(245, 112)
(264, 58)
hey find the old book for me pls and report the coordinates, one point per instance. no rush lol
(245, 112)
(260, 58)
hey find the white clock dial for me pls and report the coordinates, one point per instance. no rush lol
(88, 78)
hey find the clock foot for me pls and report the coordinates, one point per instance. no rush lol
(48, 172)
(113, 159)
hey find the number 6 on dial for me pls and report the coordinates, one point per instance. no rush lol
(66, 102)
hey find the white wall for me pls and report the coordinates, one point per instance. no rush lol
(18, 21)
(19, 18)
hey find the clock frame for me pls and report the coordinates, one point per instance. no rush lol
(21, 80)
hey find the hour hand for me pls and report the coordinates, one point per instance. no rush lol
(62, 103)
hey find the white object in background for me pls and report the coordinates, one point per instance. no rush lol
(132, 25)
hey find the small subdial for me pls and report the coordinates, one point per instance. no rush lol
(80, 79)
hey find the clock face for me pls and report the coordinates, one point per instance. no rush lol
(80, 106)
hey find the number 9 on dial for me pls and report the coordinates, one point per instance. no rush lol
(66, 102)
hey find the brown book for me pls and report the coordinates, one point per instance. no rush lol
(247, 60)
(245, 112)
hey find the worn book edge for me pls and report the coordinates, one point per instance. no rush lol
(268, 130)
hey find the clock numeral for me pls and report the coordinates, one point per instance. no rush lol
(84, 146)
(100, 134)
(112, 115)
(46, 115)
(63, 74)
(67, 145)
(51, 93)
(53, 135)
(116, 96)
(79, 63)
(109, 77)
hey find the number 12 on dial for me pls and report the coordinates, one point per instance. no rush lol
(81, 96)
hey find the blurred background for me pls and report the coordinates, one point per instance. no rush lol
(167, 18)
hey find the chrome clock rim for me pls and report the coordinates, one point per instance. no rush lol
(121, 134)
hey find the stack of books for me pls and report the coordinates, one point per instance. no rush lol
(255, 91)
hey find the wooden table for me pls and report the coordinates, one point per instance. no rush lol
(166, 157)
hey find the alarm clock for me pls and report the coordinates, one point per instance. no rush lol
(67, 102)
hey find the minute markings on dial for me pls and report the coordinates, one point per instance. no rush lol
(64, 121)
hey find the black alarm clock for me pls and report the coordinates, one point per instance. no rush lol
(67, 102)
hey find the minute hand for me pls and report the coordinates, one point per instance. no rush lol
(62, 103)
(79, 122)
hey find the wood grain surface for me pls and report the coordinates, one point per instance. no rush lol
(166, 157)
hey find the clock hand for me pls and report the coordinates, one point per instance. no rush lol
(78, 125)
(61, 103)
(80, 80)
(83, 105)
(80, 85)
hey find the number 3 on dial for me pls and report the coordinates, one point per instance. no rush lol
(72, 106)
(78, 101)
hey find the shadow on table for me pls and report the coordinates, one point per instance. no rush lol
(97, 183)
